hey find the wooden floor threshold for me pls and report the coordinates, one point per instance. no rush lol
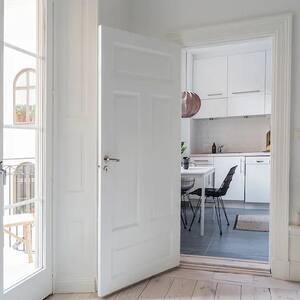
(226, 265)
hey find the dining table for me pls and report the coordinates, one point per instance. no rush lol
(204, 177)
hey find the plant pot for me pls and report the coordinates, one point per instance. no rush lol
(186, 163)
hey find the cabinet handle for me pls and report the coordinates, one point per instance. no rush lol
(259, 161)
(214, 94)
(245, 92)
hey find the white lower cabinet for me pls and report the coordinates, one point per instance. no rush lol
(237, 185)
(252, 179)
(258, 183)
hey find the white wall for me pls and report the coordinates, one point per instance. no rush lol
(114, 13)
(158, 18)
(75, 209)
(75, 149)
(236, 134)
(75, 158)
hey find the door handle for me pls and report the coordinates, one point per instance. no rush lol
(214, 94)
(108, 159)
(3, 173)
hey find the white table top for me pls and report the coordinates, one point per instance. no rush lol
(18, 219)
(197, 170)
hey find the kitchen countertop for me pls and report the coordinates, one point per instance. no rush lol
(233, 154)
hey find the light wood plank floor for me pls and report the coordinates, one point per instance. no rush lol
(187, 284)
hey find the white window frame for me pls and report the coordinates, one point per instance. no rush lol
(44, 276)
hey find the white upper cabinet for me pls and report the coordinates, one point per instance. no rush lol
(246, 74)
(268, 82)
(232, 80)
(210, 77)
(247, 84)
(212, 108)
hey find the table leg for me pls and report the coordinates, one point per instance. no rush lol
(202, 206)
(28, 242)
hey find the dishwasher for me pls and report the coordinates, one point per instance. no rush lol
(258, 179)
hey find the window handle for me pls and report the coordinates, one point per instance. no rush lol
(3, 173)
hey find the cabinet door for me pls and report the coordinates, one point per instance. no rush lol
(258, 180)
(213, 108)
(210, 77)
(268, 99)
(237, 185)
(247, 105)
(247, 73)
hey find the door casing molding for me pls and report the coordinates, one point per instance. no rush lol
(279, 29)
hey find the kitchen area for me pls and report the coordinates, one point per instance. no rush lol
(230, 132)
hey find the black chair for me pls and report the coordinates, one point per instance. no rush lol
(217, 195)
(187, 183)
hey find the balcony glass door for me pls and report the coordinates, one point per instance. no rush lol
(24, 143)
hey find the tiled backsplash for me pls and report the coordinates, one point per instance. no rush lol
(236, 134)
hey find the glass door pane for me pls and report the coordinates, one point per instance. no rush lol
(22, 142)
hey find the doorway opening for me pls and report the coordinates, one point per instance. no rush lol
(228, 143)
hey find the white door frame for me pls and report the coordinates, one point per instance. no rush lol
(279, 28)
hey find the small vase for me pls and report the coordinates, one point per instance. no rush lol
(186, 162)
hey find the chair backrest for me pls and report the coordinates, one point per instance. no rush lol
(226, 183)
(187, 183)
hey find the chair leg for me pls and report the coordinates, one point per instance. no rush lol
(195, 213)
(213, 213)
(182, 213)
(224, 210)
(182, 220)
(218, 214)
(184, 209)
(199, 219)
(190, 203)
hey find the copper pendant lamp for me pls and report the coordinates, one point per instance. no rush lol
(190, 104)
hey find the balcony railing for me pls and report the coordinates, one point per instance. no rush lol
(19, 192)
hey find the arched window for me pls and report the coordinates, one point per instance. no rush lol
(24, 186)
(24, 95)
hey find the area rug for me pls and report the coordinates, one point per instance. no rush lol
(252, 223)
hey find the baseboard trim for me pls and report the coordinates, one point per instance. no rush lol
(76, 285)
(226, 265)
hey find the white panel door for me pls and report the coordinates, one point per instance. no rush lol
(139, 184)
(210, 77)
(222, 167)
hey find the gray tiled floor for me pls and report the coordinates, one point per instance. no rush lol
(232, 244)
